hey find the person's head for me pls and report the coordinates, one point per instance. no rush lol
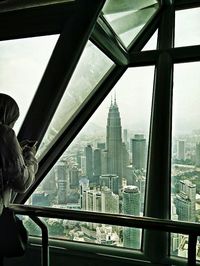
(9, 110)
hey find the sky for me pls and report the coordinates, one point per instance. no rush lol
(22, 64)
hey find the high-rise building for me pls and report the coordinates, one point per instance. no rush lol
(62, 177)
(101, 145)
(125, 160)
(185, 201)
(49, 183)
(89, 162)
(114, 141)
(83, 164)
(84, 186)
(40, 199)
(139, 151)
(92, 200)
(175, 237)
(181, 150)
(140, 182)
(78, 158)
(109, 201)
(104, 162)
(197, 155)
(111, 182)
(131, 206)
(97, 162)
(74, 177)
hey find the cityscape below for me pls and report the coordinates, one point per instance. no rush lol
(108, 174)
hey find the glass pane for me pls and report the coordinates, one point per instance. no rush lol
(104, 168)
(152, 43)
(127, 18)
(103, 234)
(186, 145)
(22, 64)
(92, 67)
(187, 30)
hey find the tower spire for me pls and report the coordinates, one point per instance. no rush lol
(115, 102)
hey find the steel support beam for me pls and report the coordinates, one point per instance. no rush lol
(158, 186)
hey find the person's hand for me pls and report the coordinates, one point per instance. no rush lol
(28, 146)
(28, 151)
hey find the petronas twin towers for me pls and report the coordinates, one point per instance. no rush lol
(114, 142)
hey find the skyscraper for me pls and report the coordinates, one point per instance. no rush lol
(197, 155)
(104, 162)
(110, 201)
(89, 162)
(73, 177)
(185, 201)
(131, 206)
(181, 150)
(139, 151)
(111, 182)
(114, 141)
(62, 177)
(97, 162)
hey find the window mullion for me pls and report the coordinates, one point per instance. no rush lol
(157, 201)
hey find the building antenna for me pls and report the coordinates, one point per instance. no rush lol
(115, 102)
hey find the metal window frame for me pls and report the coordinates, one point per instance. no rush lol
(51, 23)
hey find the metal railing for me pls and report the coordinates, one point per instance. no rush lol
(190, 229)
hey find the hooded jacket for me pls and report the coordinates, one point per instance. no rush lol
(17, 165)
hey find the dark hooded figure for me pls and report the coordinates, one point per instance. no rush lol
(18, 164)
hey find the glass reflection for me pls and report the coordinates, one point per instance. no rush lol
(127, 18)
(92, 67)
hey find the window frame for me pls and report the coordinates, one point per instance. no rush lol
(165, 51)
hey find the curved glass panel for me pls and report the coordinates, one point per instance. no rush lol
(127, 18)
(187, 30)
(104, 168)
(92, 67)
(185, 193)
(22, 64)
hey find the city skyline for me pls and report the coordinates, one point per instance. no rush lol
(80, 183)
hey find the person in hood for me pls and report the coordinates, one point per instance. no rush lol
(17, 161)
(18, 164)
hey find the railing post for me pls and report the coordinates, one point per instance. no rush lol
(45, 240)
(192, 242)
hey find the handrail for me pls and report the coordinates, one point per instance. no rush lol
(45, 240)
(191, 229)
(107, 218)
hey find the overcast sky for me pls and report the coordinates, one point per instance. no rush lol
(22, 63)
